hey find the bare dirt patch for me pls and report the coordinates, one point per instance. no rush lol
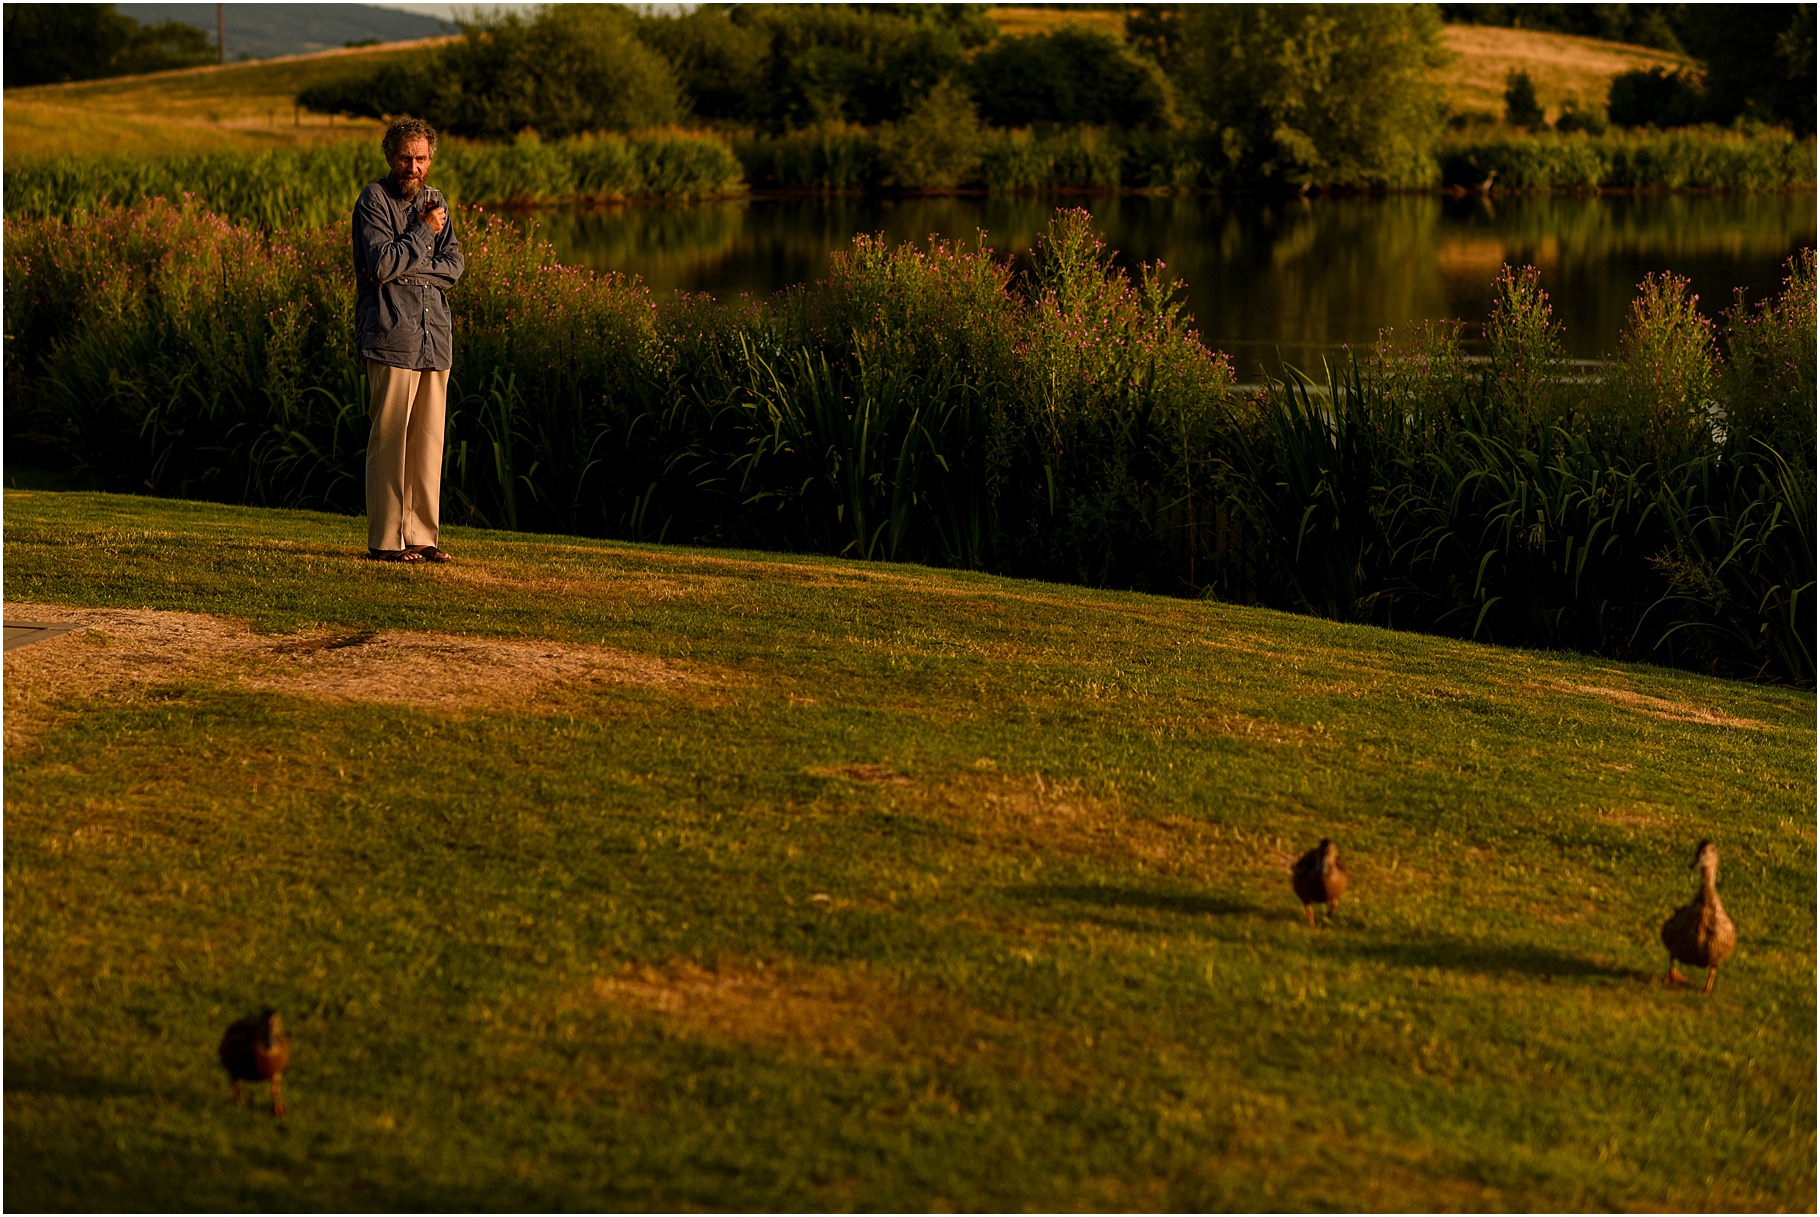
(116, 652)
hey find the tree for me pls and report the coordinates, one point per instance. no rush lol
(1156, 30)
(1759, 60)
(573, 68)
(719, 62)
(863, 64)
(1070, 76)
(1318, 94)
(569, 69)
(49, 43)
(46, 43)
(166, 45)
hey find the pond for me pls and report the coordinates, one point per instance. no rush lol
(1305, 278)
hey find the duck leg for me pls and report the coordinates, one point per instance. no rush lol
(234, 1094)
(1309, 909)
(277, 1098)
(1674, 976)
(1712, 974)
(1333, 908)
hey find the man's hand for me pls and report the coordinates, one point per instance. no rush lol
(436, 218)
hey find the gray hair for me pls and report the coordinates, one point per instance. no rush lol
(405, 130)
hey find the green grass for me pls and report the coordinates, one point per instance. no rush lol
(864, 886)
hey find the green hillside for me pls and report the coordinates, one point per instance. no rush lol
(263, 31)
(591, 875)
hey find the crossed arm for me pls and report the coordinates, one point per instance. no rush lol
(419, 251)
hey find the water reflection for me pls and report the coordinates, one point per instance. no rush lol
(1305, 277)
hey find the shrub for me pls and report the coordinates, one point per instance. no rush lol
(937, 146)
(1655, 98)
(1521, 109)
(1665, 376)
(1574, 117)
(1769, 375)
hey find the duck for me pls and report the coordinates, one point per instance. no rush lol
(1699, 933)
(255, 1049)
(1318, 878)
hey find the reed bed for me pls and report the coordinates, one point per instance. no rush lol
(1689, 158)
(937, 404)
(312, 186)
(308, 186)
(839, 156)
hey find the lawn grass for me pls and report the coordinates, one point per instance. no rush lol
(596, 875)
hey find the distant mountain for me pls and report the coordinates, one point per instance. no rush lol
(260, 31)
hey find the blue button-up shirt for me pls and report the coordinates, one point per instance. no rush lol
(403, 267)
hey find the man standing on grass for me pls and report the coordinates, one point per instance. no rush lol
(405, 258)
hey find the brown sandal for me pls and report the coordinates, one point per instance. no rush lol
(394, 555)
(429, 553)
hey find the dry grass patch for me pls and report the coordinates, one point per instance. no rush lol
(247, 106)
(1559, 65)
(609, 584)
(122, 652)
(1018, 21)
(1027, 813)
(1637, 815)
(845, 1013)
(870, 772)
(1656, 707)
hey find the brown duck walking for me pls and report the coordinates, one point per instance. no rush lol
(254, 1049)
(1699, 933)
(1318, 878)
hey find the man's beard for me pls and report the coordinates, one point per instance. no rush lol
(409, 187)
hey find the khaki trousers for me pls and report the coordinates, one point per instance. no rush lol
(404, 456)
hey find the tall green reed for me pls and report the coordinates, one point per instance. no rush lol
(1519, 501)
(316, 185)
(1697, 158)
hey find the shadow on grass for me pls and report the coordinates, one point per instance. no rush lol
(1103, 901)
(43, 1078)
(1486, 958)
(1132, 899)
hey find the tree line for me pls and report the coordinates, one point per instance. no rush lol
(1296, 95)
(53, 43)
(1299, 95)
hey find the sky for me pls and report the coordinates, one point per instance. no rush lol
(451, 12)
(456, 12)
